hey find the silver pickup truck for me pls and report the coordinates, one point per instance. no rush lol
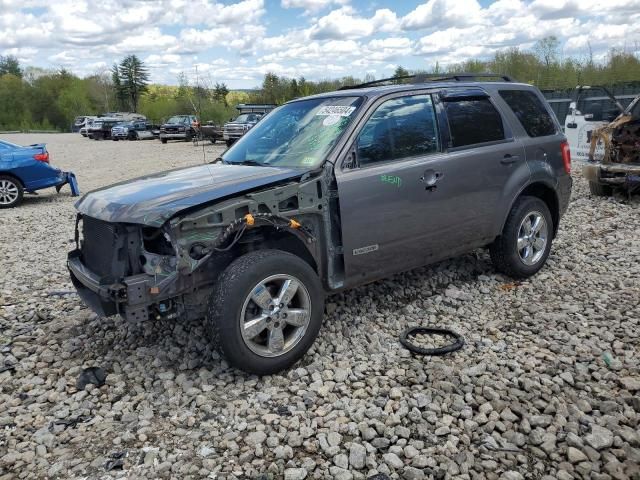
(250, 114)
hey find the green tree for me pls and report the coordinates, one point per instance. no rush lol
(547, 50)
(400, 72)
(118, 89)
(10, 64)
(220, 92)
(132, 80)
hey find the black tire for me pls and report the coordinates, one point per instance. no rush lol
(600, 190)
(114, 139)
(504, 250)
(163, 140)
(227, 299)
(229, 143)
(14, 185)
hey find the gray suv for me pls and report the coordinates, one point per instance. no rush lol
(326, 193)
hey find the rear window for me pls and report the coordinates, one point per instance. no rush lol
(473, 121)
(531, 113)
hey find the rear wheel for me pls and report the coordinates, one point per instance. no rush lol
(524, 245)
(600, 190)
(229, 143)
(163, 140)
(265, 311)
(11, 192)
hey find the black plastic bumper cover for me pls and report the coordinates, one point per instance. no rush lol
(92, 293)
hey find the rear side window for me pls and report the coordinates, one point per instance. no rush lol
(472, 121)
(531, 113)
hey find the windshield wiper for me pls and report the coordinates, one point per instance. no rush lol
(252, 163)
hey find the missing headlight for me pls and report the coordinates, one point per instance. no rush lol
(156, 240)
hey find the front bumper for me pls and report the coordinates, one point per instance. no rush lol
(232, 135)
(119, 135)
(130, 297)
(615, 174)
(173, 136)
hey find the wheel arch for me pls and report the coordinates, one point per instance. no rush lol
(290, 241)
(12, 175)
(544, 192)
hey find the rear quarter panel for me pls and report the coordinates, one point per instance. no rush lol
(543, 154)
(32, 173)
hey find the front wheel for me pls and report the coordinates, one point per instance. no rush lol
(524, 245)
(265, 311)
(163, 140)
(229, 143)
(11, 192)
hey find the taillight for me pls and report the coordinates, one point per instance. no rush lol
(42, 157)
(566, 156)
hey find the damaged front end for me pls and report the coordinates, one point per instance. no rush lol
(620, 162)
(142, 271)
(122, 268)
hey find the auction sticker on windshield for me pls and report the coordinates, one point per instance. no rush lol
(340, 110)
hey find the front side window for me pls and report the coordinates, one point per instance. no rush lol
(399, 128)
(531, 113)
(297, 134)
(473, 121)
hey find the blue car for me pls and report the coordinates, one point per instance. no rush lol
(27, 169)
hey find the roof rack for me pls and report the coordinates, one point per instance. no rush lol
(432, 77)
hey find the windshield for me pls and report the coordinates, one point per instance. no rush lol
(247, 117)
(177, 120)
(298, 134)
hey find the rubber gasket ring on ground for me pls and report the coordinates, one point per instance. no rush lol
(457, 345)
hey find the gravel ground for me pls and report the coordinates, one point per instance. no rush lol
(547, 386)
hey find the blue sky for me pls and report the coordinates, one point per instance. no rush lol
(237, 41)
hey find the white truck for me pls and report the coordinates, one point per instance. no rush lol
(605, 137)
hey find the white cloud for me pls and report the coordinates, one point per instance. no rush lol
(311, 6)
(443, 14)
(238, 40)
(194, 12)
(344, 23)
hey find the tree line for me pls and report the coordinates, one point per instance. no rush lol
(37, 99)
(33, 98)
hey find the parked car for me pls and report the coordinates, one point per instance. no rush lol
(179, 127)
(250, 114)
(134, 130)
(81, 122)
(100, 128)
(327, 193)
(614, 153)
(84, 128)
(27, 169)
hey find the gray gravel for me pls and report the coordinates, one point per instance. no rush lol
(548, 385)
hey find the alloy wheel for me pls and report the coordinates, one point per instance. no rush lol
(8, 192)
(275, 315)
(532, 238)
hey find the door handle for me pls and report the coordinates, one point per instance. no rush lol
(508, 159)
(430, 178)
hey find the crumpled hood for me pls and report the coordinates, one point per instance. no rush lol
(153, 199)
